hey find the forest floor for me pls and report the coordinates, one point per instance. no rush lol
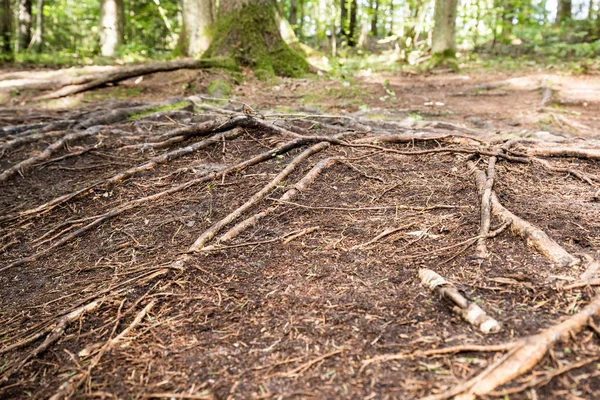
(101, 295)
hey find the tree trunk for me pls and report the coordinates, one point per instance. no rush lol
(374, 17)
(5, 28)
(563, 12)
(38, 34)
(344, 23)
(443, 46)
(198, 19)
(353, 25)
(299, 28)
(246, 31)
(23, 25)
(293, 16)
(391, 31)
(508, 13)
(112, 23)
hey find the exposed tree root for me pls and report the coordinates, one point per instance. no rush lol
(578, 174)
(54, 333)
(212, 231)
(535, 237)
(300, 186)
(72, 384)
(44, 155)
(143, 200)
(523, 356)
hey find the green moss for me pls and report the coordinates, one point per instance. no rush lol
(219, 88)
(250, 37)
(167, 107)
(446, 59)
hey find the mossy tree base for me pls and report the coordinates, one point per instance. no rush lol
(446, 59)
(250, 36)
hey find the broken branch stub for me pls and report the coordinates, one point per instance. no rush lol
(469, 311)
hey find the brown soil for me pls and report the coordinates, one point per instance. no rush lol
(297, 320)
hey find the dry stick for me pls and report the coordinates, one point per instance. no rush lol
(387, 232)
(109, 182)
(44, 155)
(525, 355)
(375, 208)
(469, 311)
(213, 230)
(300, 186)
(142, 200)
(535, 237)
(67, 389)
(486, 194)
(413, 137)
(55, 333)
(521, 160)
(436, 352)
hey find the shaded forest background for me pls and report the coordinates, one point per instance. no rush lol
(335, 35)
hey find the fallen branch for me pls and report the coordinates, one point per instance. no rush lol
(91, 82)
(574, 152)
(485, 222)
(469, 311)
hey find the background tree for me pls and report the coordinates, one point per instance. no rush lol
(198, 19)
(38, 33)
(246, 32)
(443, 42)
(564, 10)
(348, 21)
(5, 27)
(23, 25)
(112, 22)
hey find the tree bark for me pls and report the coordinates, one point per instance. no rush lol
(112, 23)
(38, 34)
(198, 19)
(563, 13)
(5, 27)
(23, 25)
(247, 32)
(444, 31)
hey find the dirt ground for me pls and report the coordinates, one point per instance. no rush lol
(284, 311)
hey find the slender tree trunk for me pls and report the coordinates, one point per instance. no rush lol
(590, 15)
(443, 45)
(352, 29)
(508, 14)
(344, 22)
(5, 28)
(247, 32)
(112, 23)
(38, 34)
(198, 19)
(563, 13)
(293, 15)
(299, 28)
(374, 17)
(392, 21)
(23, 25)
